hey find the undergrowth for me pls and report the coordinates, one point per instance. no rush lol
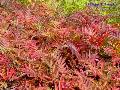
(40, 50)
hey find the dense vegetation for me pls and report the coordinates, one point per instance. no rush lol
(60, 45)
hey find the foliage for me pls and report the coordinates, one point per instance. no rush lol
(42, 51)
(64, 6)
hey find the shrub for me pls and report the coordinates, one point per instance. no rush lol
(40, 51)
